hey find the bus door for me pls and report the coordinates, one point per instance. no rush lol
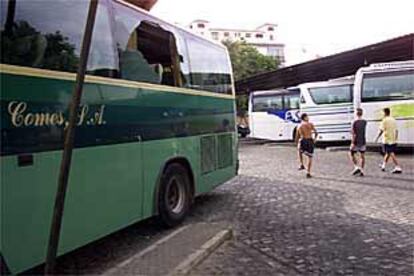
(268, 117)
(291, 107)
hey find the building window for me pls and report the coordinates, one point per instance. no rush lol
(215, 35)
(270, 29)
(259, 35)
(226, 34)
(248, 35)
(271, 37)
(201, 25)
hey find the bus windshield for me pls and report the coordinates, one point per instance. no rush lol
(331, 94)
(388, 86)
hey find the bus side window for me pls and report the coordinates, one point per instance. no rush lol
(32, 33)
(210, 68)
(147, 52)
(291, 102)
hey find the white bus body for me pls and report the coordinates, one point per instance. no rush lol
(329, 107)
(387, 85)
(274, 115)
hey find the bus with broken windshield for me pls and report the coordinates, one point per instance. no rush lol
(156, 125)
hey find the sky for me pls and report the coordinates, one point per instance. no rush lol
(308, 28)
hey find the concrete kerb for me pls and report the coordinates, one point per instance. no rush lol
(185, 267)
(113, 270)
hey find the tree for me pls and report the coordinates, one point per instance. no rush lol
(247, 61)
(23, 45)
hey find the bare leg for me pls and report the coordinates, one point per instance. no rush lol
(394, 159)
(362, 160)
(309, 164)
(300, 157)
(386, 157)
(353, 158)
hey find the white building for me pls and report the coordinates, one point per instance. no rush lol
(263, 38)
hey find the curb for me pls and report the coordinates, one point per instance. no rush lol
(112, 271)
(199, 255)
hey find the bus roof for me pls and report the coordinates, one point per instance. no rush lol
(389, 66)
(333, 82)
(274, 92)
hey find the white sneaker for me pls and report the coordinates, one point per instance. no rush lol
(397, 170)
(382, 166)
(356, 171)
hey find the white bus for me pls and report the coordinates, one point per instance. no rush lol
(387, 85)
(329, 107)
(274, 115)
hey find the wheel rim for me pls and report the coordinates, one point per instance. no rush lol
(175, 195)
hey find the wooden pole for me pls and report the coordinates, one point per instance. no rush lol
(68, 143)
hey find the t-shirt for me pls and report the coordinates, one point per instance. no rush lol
(389, 127)
(358, 127)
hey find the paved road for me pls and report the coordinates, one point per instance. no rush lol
(286, 224)
(331, 224)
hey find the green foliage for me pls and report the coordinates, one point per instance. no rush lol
(60, 54)
(24, 45)
(242, 105)
(247, 61)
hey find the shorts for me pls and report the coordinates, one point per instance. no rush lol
(307, 147)
(386, 148)
(354, 149)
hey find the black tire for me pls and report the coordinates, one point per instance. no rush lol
(174, 195)
(243, 135)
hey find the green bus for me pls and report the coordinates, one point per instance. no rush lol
(156, 125)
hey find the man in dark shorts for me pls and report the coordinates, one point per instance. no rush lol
(389, 132)
(305, 141)
(358, 143)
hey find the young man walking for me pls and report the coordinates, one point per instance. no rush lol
(388, 131)
(358, 143)
(306, 142)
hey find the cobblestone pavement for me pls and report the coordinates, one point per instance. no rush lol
(285, 224)
(332, 224)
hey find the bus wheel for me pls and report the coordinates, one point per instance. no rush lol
(174, 195)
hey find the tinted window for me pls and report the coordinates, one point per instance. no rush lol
(47, 36)
(42, 35)
(388, 86)
(332, 94)
(266, 103)
(292, 101)
(147, 51)
(209, 65)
